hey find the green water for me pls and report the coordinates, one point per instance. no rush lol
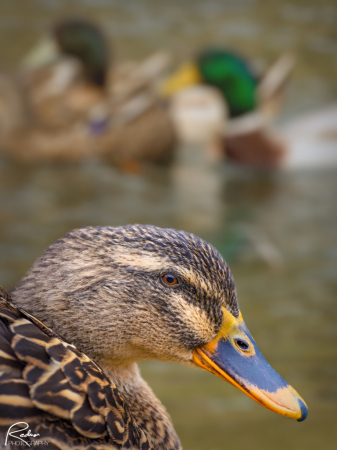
(277, 231)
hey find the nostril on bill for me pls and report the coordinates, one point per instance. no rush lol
(242, 344)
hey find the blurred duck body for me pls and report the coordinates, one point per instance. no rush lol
(79, 105)
(311, 139)
(138, 293)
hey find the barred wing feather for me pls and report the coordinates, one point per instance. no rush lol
(64, 397)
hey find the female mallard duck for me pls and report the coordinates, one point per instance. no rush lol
(122, 295)
(79, 106)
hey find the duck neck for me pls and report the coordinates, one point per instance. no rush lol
(146, 410)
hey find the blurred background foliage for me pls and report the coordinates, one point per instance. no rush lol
(277, 229)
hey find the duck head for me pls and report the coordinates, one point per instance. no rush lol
(85, 41)
(140, 292)
(227, 71)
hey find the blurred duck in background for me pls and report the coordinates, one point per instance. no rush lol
(70, 102)
(219, 100)
(252, 102)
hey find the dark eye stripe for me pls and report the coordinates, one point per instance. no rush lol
(169, 280)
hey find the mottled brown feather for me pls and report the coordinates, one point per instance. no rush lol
(44, 380)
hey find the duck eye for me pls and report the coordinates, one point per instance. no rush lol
(169, 280)
(242, 345)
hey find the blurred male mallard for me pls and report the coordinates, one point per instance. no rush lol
(73, 103)
(252, 102)
(123, 295)
(67, 72)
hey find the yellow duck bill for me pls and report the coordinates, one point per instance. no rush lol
(234, 356)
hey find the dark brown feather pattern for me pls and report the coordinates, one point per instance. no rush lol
(49, 384)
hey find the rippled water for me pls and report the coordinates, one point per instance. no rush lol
(278, 231)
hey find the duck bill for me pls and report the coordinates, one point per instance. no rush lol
(234, 356)
(187, 75)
